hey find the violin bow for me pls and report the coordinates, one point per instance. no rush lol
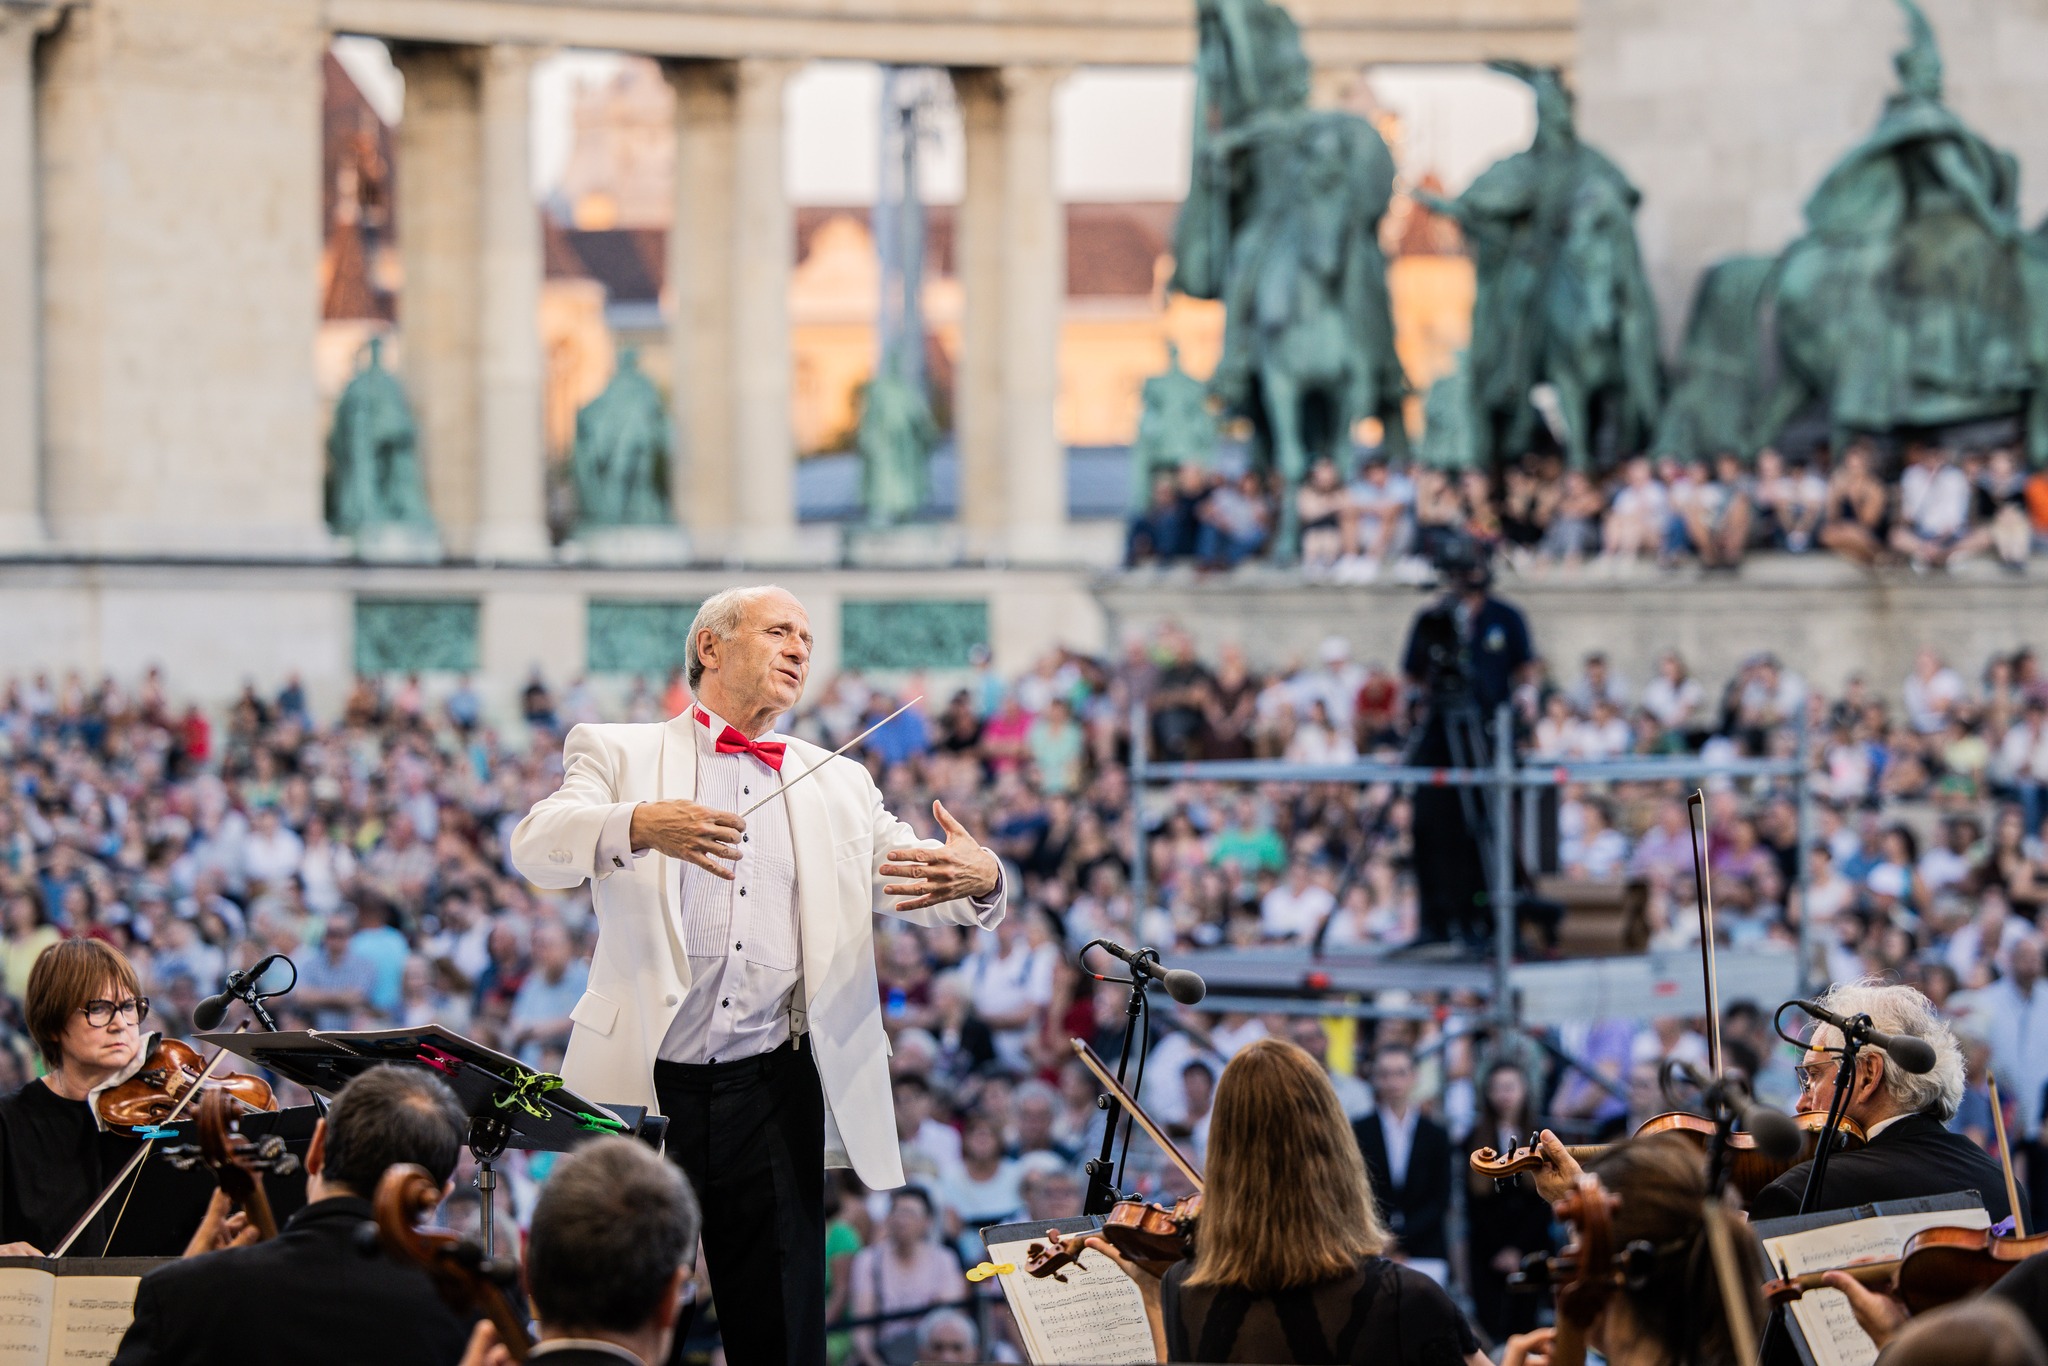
(2012, 1188)
(1094, 1064)
(134, 1163)
(1697, 803)
(1720, 1238)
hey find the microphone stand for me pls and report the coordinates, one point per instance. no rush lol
(1102, 1193)
(1838, 1109)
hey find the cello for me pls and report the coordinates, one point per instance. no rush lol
(236, 1161)
(467, 1281)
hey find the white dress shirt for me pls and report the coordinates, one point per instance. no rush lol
(1400, 1136)
(742, 936)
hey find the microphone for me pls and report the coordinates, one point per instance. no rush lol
(239, 985)
(1914, 1055)
(1182, 985)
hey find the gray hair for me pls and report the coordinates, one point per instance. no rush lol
(928, 1328)
(1899, 1009)
(721, 615)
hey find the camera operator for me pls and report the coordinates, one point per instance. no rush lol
(1465, 654)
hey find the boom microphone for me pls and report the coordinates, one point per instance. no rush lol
(1914, 1055)
(1182, 985)
(240, 984)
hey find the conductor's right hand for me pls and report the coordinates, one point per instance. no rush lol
(702, 835)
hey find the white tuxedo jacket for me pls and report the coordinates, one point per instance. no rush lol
(640, 972)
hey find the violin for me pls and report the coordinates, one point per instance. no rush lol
(1749, 1170)
(467, 1282)
(236, 1161)
(157, 1093)
(1152, 1236)
(1938, 1266)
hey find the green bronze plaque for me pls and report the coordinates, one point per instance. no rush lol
(637, 636)
(911, 633)
(416, 635)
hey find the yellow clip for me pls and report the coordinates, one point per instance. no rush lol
(988, 1269)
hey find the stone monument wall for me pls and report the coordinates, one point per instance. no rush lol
(1726, 114)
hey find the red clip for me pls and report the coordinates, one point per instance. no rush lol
(438, 1060)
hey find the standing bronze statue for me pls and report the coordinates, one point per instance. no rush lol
(1281, 223)
(1562, 297)
(373, 470)
(620, 462)
(1175, 428)
(1907, 303)
(895, 439)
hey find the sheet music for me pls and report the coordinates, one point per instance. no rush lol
(1823, 1316)
(1096, 1315)
(26, 1297)
(90, 1315)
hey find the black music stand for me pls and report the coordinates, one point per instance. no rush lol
(508, 1103)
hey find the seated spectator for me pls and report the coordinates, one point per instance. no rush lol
(613, 1243)
(1676, 701)
(1157, 534)
(1296, 908)
(1574, 531)
(947, 1335)
(1382, 505)
(1322, 507)
(1855, 524)
(1635, 520)
(1599, 851)
(1789, 503)
(1234, 523)
(539, 1021)
(1439, 512)
(983, 1187)
(1720, 515)
(1934, 510)
(1319, 741)
(2000, 505)
(903, 1270)
(1528, 503)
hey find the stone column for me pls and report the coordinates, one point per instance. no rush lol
(978, 262)
(1012, 260)
(439, 240)
(704, 485)
(764, 245)
(21, 436)
(512, 460)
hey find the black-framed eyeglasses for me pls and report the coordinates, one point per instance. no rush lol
(99, 1014)
(1812, 1074)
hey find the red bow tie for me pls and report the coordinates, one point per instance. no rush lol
(730, 741)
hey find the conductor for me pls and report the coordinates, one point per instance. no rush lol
(733, 983)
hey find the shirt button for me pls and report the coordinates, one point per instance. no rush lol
(746, 792)
(743, 839)
(739, 946)
(670, 999)
(743, 891)
(727, 1003)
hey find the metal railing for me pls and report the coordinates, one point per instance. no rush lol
(1497, 782)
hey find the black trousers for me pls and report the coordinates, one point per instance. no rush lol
(750, 1135)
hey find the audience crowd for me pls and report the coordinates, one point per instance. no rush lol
(369, 845)
(1940, 507)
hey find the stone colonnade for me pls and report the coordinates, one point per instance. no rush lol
(160, 249)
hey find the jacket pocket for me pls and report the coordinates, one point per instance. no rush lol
(595, 1013)
(860, 846)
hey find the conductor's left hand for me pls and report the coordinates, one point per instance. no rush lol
(959, 868)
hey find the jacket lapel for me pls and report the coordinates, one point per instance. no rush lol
(678, 779)
(817, 887)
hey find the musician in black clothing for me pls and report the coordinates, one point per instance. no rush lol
(84, 1008)
(614, 1237)
(1408, 1158)
(314, 1295)
(1909, 1149)
(1289, 1265)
